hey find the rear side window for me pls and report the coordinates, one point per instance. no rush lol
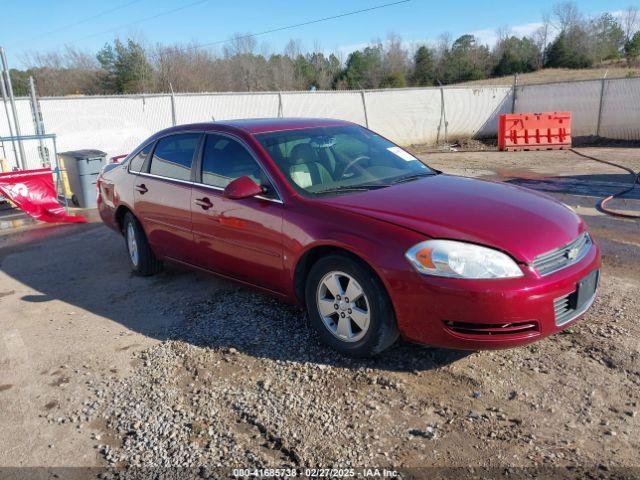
(225, 159)
(136, 163)
(173, 156)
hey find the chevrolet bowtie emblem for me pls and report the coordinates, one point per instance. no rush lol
(572, 254)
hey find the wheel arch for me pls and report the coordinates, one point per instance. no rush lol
(309, 258)
(119, 215)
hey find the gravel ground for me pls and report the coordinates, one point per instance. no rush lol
(274, 398)
(239, 379)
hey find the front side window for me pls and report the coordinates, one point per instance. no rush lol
(173, 156)
(225, 159)
(328, 160)
(136, 163)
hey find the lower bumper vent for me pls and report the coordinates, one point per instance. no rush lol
(492, 329)
(563, 309)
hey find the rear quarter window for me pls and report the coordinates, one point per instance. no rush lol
(136, 163)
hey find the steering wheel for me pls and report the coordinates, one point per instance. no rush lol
(352, 163)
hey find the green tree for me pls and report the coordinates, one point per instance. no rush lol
(519, 55)
(424, 72)
(562, 54)
(126, 67)
(607, 37)
(465, 61)
(393, 80)
(364, 68)
(108, 78)
(314, 70)
(632, 47)
(20, 81)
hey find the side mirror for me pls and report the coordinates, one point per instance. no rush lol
(242, 187)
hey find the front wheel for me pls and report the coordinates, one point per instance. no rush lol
(142, 260)
(349, 307)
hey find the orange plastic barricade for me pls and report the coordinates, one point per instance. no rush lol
(534, 131)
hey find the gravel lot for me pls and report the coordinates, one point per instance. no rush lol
(102, 368)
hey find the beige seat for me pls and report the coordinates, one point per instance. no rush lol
(305, 169)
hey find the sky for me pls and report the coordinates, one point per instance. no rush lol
(46, 25)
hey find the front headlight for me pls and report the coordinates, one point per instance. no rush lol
(448, 258)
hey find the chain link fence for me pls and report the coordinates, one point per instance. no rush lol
(116, 124)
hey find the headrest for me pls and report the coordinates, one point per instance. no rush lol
(302, 153)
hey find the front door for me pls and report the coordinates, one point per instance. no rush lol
(163, 195)
(238, 238)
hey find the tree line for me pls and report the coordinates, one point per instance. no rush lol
(565, 39)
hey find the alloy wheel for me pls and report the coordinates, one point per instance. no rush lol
(132, 244)
(343, 306)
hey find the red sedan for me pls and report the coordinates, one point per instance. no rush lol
(373, 242)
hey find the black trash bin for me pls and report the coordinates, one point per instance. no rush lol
(83, 168)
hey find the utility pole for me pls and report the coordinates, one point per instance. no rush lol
(602, 87)
(12, 100)
(173, 105)
(515, 93)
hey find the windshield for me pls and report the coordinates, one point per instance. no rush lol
(329, 160)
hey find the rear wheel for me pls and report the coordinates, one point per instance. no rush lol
(142, 260)
(349, 307)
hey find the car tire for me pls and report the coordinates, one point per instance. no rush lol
(357, 327)
(142, 260)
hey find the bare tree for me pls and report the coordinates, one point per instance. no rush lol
(187, 69)
(396, 57)
(443, 44)
(541, 36)
(630, 21)
(66, 72)
(567, 15)
(502, 34)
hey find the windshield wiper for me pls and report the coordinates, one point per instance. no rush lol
(352, 188)
(415, 176)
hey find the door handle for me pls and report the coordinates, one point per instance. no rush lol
(142, 188)
(204, 202)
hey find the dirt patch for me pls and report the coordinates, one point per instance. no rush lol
(60, 381)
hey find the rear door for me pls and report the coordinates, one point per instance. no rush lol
(163, 195)
(238, 238)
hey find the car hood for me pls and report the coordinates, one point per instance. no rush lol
(519, 221)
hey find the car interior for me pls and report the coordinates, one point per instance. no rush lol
(317, 161)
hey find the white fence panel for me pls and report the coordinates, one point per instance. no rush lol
(207, 107)
(113, 124)
(621, 109)
(582, 99)
(116, 124)
(339, 105)
(405, 116)
(23, 106)
(473, 112)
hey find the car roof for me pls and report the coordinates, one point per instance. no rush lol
(263, 125)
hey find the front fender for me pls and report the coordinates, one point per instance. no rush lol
(379, 244)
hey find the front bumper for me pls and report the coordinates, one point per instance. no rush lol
(489, 314)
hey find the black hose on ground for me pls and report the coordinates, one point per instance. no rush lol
(603, 203)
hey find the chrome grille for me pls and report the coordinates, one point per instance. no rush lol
(564, 256)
